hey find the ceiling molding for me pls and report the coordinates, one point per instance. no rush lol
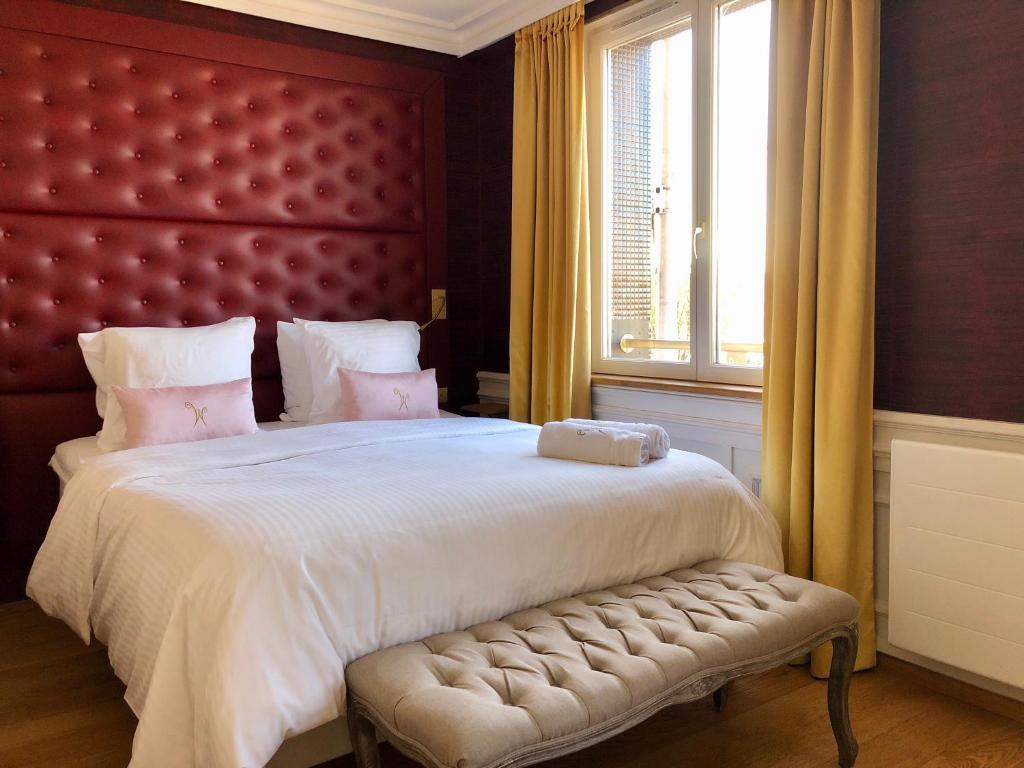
(482, 25)
(502, 19)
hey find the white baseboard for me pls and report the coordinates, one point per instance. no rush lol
(492, 387)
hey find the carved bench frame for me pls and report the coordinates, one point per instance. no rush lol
(364, 723)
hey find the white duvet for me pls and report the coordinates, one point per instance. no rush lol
(234, 579)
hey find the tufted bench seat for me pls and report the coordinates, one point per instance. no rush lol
(555, 679)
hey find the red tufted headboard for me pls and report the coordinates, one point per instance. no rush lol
(144, 182)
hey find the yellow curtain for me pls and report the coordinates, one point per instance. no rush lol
(549, 338)
(819, 302)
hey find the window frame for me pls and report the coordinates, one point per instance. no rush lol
(618, 27)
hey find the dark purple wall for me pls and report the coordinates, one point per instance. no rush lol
(950, 288)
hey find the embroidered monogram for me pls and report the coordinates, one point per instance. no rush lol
(403, 398)
(200, 413)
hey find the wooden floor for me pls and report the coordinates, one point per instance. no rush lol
(61, 705)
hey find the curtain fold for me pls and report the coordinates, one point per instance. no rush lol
(819, 302)
(549, 335)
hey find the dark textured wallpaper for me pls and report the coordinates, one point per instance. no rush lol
(950, 286)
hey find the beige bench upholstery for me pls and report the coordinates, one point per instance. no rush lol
(557, 678)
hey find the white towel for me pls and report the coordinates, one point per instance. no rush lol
(660, 443)
(598, 445)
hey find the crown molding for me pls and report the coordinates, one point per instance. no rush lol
(483, 25)
(501, 19)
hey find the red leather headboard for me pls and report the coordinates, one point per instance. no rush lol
(143, 182)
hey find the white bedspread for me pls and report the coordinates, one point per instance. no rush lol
(233, 579)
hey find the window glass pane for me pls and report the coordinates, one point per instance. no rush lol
(648, 193)
(741, 151)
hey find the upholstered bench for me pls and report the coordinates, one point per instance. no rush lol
(555, 679)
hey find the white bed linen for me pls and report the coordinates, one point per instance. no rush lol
(233, 579)
(69, 456)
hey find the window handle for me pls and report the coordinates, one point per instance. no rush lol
(697, 231)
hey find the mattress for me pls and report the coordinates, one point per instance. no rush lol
(232, 580)
(70, 456)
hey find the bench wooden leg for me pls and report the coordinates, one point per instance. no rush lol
(844, 653)
(364, 740)
(721, 697)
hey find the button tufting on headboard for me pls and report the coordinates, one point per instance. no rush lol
(143, 182)
(59, 281)
(87, 132)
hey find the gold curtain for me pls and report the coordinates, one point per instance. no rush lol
(819, 302)
(549, 338)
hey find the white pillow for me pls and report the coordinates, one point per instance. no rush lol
(295, 379)
(378, 346)
(162, 357)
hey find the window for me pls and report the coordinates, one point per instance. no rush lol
(678, 122)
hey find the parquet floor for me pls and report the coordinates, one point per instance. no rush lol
(60, 705)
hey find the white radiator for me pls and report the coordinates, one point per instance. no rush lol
(956, 563)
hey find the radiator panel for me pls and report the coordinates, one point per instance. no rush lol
(956, 567)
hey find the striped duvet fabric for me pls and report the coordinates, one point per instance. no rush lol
(234, 579)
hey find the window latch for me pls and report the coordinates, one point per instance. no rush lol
(697, 232)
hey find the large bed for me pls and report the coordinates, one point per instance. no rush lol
(233, 579)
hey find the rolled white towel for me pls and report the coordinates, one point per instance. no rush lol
(598, 445)
(660, 442)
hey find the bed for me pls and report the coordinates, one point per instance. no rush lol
(233, 579)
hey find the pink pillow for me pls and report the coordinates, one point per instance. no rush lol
(157, 415)
(369, 396)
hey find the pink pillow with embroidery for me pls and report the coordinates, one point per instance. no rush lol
(367, 396)
(157, 415)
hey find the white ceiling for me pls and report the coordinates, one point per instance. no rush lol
(449, 26)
